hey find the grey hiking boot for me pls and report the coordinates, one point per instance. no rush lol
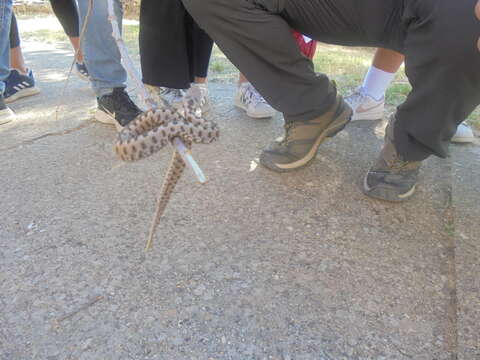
(391, 178)
(302, 138)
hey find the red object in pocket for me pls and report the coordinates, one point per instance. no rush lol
(307, 48)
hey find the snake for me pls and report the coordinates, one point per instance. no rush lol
(154, 129)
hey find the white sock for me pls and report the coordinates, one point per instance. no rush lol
(376, 82)
(200, 85)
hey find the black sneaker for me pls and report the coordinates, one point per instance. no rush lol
(391, 178)
(116, 108)
(6, 114)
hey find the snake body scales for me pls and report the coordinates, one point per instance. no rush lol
(152, 130)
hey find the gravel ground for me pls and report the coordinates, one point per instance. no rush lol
(252, 265)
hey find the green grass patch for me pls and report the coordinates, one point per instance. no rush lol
(46, 36)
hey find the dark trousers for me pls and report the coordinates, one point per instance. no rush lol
(14, 35)
(173, 48)
(66, 12)
(438, 38)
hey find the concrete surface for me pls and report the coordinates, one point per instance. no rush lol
(467, 241)
(253, 265)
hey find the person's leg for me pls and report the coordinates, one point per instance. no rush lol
(6, 115)
(387, 60)
(67, 13)
(163, 57)
(256, 37)
(199, 49)
(103, 60)
(202, 51)
(442, 66)
(20, 82)
(298, 92)
(100, 50)
(382, 72)
(17, 60)
(368, 101)
(250, 100)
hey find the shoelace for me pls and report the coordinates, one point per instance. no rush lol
(126, 104)
(357, 97)
(289, 132)
(174, 92)
(254, 95)
(396, 163)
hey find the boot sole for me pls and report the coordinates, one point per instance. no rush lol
(386, 195)
(21, 94)
(333, 129)
(105, 118)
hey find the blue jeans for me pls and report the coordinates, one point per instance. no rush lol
(5, 18)
(100, 50)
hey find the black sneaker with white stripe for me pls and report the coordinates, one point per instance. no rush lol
(19, 85)
(116, 108)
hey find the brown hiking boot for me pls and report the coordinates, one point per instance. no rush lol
(391, 178)
(302, 138)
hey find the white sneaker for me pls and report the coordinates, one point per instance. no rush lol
(464, 134)
(199, 94)
(6, 114)
(250, 100)
(173, 96)
(365, 107)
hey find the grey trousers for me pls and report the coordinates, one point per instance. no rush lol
(438, 38)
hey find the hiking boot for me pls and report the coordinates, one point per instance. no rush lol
(116, 108)
(6, 114)
(302, 138)
(249, 99)
(391, 178)
(364, 106)
(19, 85)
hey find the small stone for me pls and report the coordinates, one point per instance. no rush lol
(86, 344)
(224, 340)
(209, 295)
(177, 341)
(199, 290)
